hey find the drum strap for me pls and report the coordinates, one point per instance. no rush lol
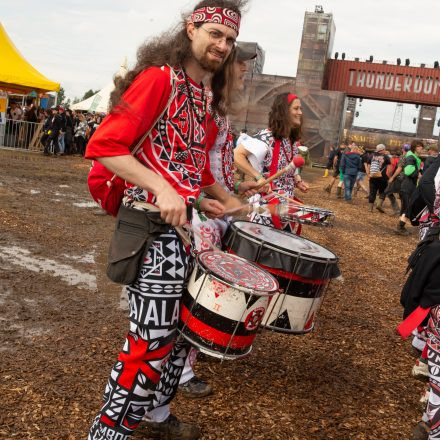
(276, 220)
(275, 158)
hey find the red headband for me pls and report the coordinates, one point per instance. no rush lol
(217, 15)
(291, 97)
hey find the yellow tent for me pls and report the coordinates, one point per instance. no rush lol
(16, 74)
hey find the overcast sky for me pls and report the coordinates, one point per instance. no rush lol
(80, 43)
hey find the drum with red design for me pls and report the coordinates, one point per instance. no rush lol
(226, 300)
(303, 270)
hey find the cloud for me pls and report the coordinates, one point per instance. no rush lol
(80, 43)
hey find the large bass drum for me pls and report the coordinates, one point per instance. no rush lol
(303, 270)
(225, 302)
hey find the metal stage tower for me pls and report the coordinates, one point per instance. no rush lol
(397, 120)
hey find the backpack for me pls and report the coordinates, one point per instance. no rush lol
(105, 187)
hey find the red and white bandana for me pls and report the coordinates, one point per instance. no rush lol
(224, 16)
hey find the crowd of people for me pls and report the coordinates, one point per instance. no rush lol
(67, 132)
(412, 173)
(388, 173)
(64, 131)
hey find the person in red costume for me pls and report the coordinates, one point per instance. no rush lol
(272, 149)
(163, 96)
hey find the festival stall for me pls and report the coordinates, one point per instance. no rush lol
(17, 76)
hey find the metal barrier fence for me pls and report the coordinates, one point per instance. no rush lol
(21, 135)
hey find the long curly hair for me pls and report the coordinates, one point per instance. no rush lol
(172, 47)
(222, 85)
(279, 119)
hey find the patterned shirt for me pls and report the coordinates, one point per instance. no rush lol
(175, 148)
(221, 155)
(262, 152)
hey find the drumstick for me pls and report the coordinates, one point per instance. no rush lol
(247, 205)
(275, 176)
(296, 202)
(297, 162)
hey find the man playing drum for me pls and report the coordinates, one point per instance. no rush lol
(166, 176)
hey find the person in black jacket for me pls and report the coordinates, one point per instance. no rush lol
(432, 155)
(421, 299)
(46, 128)
(68, 138)
(351, 164)
(55, 124)
(410, 175)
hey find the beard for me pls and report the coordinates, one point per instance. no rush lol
(209, 65)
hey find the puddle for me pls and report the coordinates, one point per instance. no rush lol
(22, 257)
(87, 258)
(35, 191)
(86, 205)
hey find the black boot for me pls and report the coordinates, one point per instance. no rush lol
(395, 206)
(195, 388)
(379, 206)
(171, 429)
(339, 192)
(401, 229)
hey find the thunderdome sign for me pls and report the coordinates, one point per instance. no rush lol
(394, 82)
(384, 82)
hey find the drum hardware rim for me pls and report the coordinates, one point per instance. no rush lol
(217, 355)
(286, 331)
(238, 323)
(273, 247)
(261, 293)
(307, 222)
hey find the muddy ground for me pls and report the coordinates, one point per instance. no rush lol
(62, 325)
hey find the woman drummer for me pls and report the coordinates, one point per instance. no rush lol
(272, 149)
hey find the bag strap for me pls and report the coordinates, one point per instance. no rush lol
(275, 158)
(173, 77)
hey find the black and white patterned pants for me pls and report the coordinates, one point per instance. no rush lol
(147, 372)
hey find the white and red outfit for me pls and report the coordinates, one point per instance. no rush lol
(220, 169)
(267, 156)
(147, 372)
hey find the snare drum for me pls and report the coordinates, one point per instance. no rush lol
(226, 300)
(303, 270)
(308, 215)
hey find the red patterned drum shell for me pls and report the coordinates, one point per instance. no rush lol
(225, 302)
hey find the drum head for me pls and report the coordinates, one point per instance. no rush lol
(236, 271)
(285, 241)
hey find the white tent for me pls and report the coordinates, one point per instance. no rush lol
(99, 102)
